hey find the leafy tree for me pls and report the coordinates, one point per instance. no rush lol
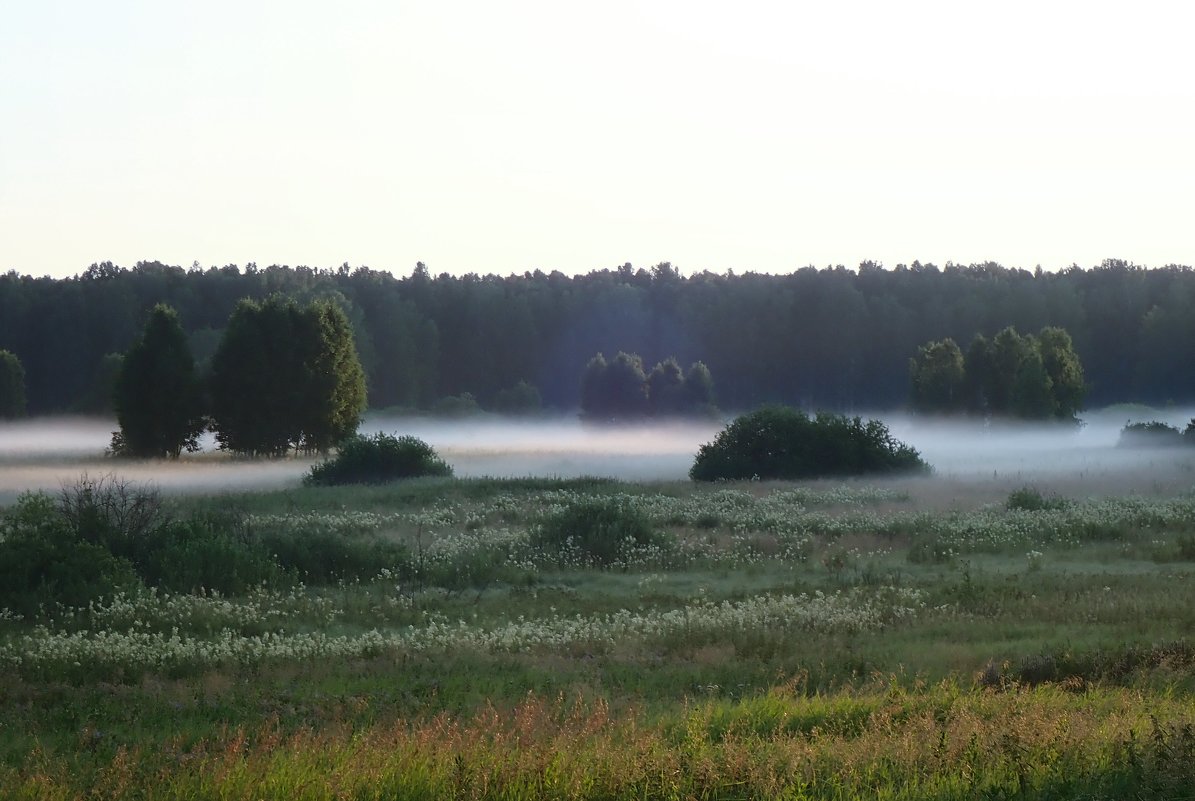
(1062, 365)
(979, 374)
(626, 387)
(594, 397)
(699, 389)
(1032, 393)
(938, 378)
(12, 386)
(1009, 350)
(254, 384)
(666, 389)
(333, 391)
(158, 398)
(285, 377)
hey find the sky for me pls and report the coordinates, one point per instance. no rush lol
(499, 137)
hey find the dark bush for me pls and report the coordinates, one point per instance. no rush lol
(211, 554)
(779, 442)
(463, 405)
(325, 558)
(116, 514)
(1151, 435)
(601, 530)
(377, 460)
(43, 563)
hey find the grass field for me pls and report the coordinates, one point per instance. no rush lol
(481, 639)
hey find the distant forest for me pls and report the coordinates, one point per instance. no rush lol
(833, 339)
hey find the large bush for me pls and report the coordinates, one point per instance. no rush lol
(1154, 434)
(43, 562)
(779, 442)
(377, 460)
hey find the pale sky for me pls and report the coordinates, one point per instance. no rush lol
(508, 136)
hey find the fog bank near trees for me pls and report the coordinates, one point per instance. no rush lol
(966, 457)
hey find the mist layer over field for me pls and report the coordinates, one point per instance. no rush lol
(1079, 460)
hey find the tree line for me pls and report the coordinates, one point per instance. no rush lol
(833, 338)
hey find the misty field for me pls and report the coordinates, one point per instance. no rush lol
(958, 636)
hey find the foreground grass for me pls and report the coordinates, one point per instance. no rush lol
(837, 643)
(888, 743)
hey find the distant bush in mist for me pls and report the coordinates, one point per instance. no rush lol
(1031, 499)
(779, 442)
(1154, 434)
(377, 460)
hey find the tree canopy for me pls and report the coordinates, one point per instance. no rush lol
(620, 390)
(1028, 377)
(285, 377)
(158, 398)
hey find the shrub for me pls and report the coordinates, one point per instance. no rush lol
(43, 563)
(602, 530)
(377, 460)
(1030, 499)
(115, 514)
(463, 405)
(208, 553)
(521, 399)
(779, 442)
(324, 557)
(1150, 435)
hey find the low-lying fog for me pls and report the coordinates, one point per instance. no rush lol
(46, 453)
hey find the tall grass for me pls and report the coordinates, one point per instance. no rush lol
(939, 743)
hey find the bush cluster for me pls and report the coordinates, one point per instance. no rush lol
(780, 442)
(1154, 434)
(602, 531)
(104, 536)
(377, 460)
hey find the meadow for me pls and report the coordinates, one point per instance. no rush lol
(593, 638)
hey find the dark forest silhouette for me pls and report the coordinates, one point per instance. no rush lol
(832, 338)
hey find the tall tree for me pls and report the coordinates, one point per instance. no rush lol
(666, 389)
(595, 401)
(626, 387)
(1009, 352)
(157, 397)
(285, 377)
(1062, 365)
(699, 390)
(12, 386)
(1031, 396)
(332, 379)
(979, 374)
(938, 378)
